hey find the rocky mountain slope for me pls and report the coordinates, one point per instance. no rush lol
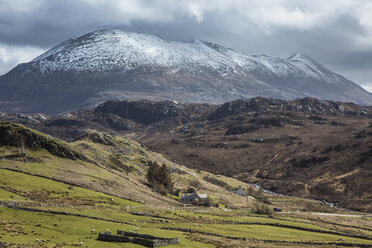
(102, 65)
(306, 147)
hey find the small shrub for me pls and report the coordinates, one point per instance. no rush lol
(250, 190)
(262, 208)
(258, 194)
(318, 207)
(207, 203)
(196, 184)
(117, 164)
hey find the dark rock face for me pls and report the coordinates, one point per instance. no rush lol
(238, 106)
(275, 122)
(64, 122)
(306, 105)
(144, 112)
(118, 123)
(336, 148)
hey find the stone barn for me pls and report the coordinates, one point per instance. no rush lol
(195, 198)
(241, 191)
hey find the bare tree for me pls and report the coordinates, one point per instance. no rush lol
(21, 144)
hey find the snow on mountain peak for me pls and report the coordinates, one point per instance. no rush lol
(116, 50)
(298, 56)
(303, 58)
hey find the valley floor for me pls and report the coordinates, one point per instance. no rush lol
(72, 216)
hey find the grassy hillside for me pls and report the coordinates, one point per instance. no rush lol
(50, 199)
(305, 147)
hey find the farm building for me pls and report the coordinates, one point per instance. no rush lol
(241, 191)
(195, 198)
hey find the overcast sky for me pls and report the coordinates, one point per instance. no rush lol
(337, 33)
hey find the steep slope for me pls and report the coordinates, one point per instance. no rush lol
(103, 65)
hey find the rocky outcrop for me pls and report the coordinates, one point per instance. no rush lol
(306, 162)
(306, 105)
(64, 122)
(99, 138)
(145, 112)
(20, 136)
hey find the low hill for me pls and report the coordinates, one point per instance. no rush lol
(118, 164)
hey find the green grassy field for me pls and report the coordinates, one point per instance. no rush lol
(35, 229)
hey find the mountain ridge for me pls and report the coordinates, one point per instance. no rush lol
(112, 64)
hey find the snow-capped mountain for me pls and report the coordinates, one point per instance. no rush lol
(102, 65)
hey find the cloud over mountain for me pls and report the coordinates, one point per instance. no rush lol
(334, 32)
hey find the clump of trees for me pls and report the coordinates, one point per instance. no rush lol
(159, 178)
